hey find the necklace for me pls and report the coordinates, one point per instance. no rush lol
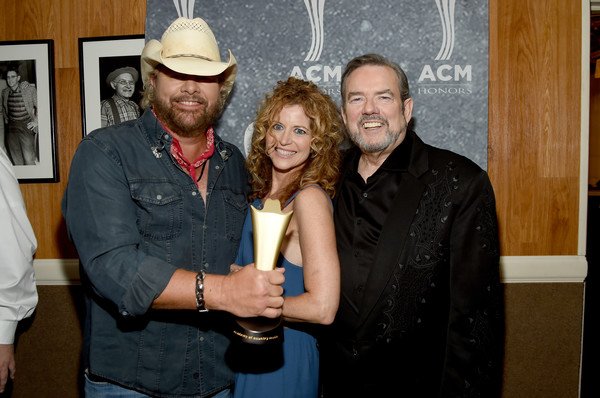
(201, 171)
(179, 157)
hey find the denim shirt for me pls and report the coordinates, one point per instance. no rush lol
(135, 217)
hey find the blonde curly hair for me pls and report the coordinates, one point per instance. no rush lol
(323, 165)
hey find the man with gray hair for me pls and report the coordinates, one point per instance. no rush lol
(421, 309)
(120, 107)
(155, 207)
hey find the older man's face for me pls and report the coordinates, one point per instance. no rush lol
(124, 85)
(373, 111)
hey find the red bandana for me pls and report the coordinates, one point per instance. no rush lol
(181, 159)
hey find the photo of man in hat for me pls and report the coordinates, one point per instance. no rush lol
(155, 208)
(120, 107)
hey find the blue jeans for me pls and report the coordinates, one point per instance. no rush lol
(101, 389)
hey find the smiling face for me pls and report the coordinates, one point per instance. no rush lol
(12, 79)
(376, 118)
(288, 139)
(124, 85)
(188, 104)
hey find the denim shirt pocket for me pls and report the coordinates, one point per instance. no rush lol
(236, 206)
(159, 208)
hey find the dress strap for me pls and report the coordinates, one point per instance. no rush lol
(298, 191)
(291, 198)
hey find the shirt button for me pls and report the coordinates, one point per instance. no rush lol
(217, 167)
(365, 195)
(158, 197)
(194, 193)
(206, 265)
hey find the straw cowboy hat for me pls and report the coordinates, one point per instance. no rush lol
(117, 72)
(188, 46)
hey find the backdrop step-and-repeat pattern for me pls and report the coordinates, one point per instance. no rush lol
(441, 44)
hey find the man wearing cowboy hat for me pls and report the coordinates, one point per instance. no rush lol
(155, 207)
(120, 107)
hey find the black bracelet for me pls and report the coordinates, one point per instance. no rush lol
(200, 292)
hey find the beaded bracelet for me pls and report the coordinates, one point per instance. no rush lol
(200, 292)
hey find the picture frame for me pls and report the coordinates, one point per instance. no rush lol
(98, 57)
(28, 66)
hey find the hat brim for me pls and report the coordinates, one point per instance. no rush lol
(152, 56)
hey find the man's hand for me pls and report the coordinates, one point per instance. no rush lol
(7, 364)
(246, 292)
(32, 125)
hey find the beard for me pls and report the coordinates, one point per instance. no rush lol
(185, 123)
(389, 139)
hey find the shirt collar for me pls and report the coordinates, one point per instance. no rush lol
(399, 159)
(180, 158)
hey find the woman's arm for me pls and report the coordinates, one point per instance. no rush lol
(313, 215)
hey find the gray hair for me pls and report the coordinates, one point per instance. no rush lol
(376, 59)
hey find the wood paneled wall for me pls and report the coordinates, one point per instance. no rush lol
(534, 124)
(64, 21)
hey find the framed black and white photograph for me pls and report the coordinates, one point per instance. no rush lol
(111, 85)
(27, 109)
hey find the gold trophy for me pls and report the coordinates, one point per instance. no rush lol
(269, 226)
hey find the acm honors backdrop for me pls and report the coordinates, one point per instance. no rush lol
(441, 44)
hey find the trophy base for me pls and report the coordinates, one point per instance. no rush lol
(259, 330)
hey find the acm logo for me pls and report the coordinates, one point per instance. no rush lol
(446, 72)
(326, 74)
(317, 73)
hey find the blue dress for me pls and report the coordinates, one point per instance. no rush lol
(287, 371)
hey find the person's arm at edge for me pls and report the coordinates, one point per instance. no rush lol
(16, 268)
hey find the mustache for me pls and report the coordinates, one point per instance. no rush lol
(193, 98)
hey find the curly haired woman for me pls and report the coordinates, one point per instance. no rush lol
(295, 158)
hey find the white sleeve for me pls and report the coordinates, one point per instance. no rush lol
(18, 293)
